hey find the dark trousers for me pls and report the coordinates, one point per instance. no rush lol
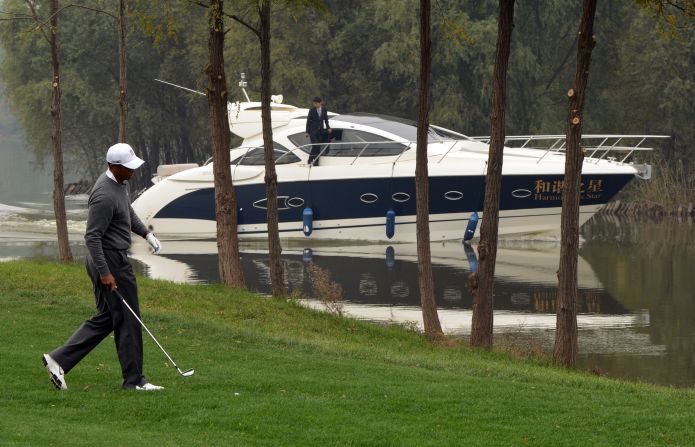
(111, 315)
(317, 137)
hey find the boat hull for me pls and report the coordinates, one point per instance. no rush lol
(356, 209)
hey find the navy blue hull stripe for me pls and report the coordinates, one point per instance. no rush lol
(340, 199)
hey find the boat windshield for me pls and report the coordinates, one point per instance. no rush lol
(402, 127)
(351, 143)
(256, 156)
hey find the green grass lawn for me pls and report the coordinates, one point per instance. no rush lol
(270, 372)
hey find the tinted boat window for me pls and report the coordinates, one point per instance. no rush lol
(300, 140)
(356, 142)
(351, 143)
(256, 157)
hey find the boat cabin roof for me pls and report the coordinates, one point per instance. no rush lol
(404, 128)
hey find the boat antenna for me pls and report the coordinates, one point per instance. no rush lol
(179, 86)
(243, 84)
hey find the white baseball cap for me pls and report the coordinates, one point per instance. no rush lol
(123, 154)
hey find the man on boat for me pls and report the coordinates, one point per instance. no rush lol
(317, 129)
(109, 224)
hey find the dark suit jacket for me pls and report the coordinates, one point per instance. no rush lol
(313, 121)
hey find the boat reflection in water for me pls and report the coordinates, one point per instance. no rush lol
(380, 283)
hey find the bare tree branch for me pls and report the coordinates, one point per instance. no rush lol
(32, 7)
(15, 16)
(85, 7)
(44, 23)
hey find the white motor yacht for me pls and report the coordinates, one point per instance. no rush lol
(363, 186)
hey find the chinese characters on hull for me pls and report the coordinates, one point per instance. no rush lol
(552, 189)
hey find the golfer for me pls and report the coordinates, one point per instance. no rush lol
(109, 224)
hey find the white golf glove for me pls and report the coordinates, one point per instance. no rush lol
(154, 243)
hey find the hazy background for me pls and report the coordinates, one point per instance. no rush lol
(21, 179)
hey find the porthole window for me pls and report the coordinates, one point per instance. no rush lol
(400, 197)
(295, 202)
(453, 195)
(369, 197)
(521, 193)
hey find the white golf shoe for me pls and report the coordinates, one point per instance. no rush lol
(55, 372)
(147, 386)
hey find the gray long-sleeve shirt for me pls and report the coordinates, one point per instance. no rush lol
(110, 221)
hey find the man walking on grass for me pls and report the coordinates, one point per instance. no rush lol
(109, 224)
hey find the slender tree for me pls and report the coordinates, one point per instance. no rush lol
(231, 272)
(482, 285)
(271, 178)
(430, 317)
(565, 351)
(122, 103)
(64, 253)
(262, 31)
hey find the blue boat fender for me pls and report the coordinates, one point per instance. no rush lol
(307, 221)
(472, 225)
(390, 223)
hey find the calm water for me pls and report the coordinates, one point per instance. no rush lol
(636, 280)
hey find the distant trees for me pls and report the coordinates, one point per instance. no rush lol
(378, 75)
(163, 125)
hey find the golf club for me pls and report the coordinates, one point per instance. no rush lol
(188, 372)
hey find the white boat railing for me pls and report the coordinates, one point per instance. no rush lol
(333, 149)
(596, 146)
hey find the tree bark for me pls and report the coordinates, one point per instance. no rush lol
(64, 253)
(231, 273)
(482, 289)
(430, 316)
(271, 179)
(122, 103)
(565, 351)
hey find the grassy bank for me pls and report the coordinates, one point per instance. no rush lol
(274, 373)
(669, 192)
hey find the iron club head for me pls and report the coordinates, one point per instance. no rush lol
(187, 373)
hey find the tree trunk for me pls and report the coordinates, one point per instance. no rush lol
(482, 289)
(64, 253)
(122, 104)
(565, 351)
(231, 273)
(271, 178)
(429, 305)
